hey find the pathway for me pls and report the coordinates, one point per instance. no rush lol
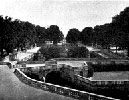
(103, 52)
(22, 55)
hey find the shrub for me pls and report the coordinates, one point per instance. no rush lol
(78, 52)
(50, 52)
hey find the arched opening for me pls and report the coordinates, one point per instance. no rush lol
(54, 77)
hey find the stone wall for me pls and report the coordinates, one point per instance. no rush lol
(59, 89)
(102, 83)
(30, 62)
(95, 60)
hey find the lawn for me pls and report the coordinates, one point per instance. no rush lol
(118, 75)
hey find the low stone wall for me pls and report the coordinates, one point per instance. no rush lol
(30, 62)
(19, 66)
(110, 82)
(95, 60)
(49, 63)
(67, 59)
(4, 63)
(59, 89)
(102, 83)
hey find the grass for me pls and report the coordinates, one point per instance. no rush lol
(118, 75)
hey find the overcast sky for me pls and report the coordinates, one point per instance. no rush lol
(66, 14)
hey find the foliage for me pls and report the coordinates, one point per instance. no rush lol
(50, 52)
(21, 35)
(73, 36)
(41, 35)
(54, 34)
(115, 33)
(77, 52)
(86, 36)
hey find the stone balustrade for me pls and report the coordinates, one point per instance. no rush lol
(30, 62)
(59, 89)
(110, 82)
(101, 83)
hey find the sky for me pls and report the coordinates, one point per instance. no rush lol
(67, 14)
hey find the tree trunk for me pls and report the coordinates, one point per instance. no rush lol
(1, 45)
(1, 53)
(55, 42)
(128, 51)
(116, 49)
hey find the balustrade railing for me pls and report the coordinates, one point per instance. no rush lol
(59, 89)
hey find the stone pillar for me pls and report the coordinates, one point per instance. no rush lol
(39, 56)
(87, 70)
(12, 56)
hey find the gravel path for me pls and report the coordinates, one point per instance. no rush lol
(11, 88)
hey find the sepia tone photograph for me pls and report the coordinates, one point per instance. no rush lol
(64, 50)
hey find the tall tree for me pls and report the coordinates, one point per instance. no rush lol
(1, 35)
(41, 35)
(54, 34)
(8, 36)
(73, 36)
(86, 35)
(121, 21)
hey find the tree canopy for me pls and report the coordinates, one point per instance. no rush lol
(115, 33)
(16, 34)
(54, 34)
(86, 36)
(73, 35)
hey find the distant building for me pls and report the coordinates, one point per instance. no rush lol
(48, 42)
(62, 42)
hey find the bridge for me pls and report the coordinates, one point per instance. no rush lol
(43, 70)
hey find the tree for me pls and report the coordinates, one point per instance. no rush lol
(8, 36)
(73, 36)
(16, 34)
(86, 35)
(50, 52)
(1, 35)
(29, 35)
(78, 52)
(41, 35)
(54, 34)
(121, 22)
